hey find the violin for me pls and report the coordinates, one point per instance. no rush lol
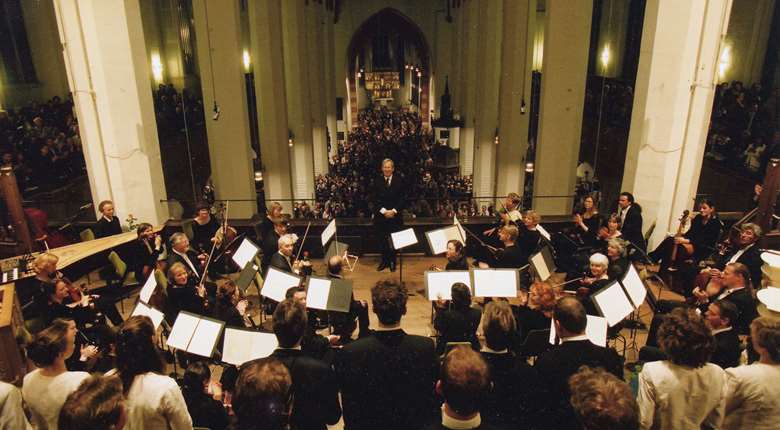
(75, 293)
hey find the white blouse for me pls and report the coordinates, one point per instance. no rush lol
(752, 397)
(678, 397)
(155, 402)
(45, 395)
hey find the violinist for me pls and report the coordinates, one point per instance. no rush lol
(610, 230)
(510, 213)
(204, 227)
(271, 242)
(511, 257)
(529, 238)
(618, 261)
(147, 251)
(108, 224)
(746, 252)
(182, 253)
(232, 306)
(593, 281)
(184, 293)
(698, 242)
(45, 267)
(283, 258)
(587, 221)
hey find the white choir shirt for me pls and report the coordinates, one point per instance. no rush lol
(155, 402)
(752, 397)
(11, 411)
(678, 397)
(45, 395)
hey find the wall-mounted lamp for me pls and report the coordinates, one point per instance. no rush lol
(290, 138)
(522, 106)
(495, 137)
(529, 167)
(157, 68)
(247, 61)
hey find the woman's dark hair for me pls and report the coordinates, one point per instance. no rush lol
(685, 338)
(142, 228)
(96, 404)
(707, 201)
(136, 353)
(629, 196)
(499, 325)
(226, 294)
(49, 343)
(461, 296)
(458, 246)
(195, 377)
(262, 394)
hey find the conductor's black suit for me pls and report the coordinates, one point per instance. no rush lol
(388, 195)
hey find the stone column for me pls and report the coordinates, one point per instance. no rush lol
(299, 108)
(468, 84)
(315, 45)
(675, 82)
(218, 30)
(265, 27)
(329, 77)
(516, 64)
(486, 114)
(564, 72)
(108, 73)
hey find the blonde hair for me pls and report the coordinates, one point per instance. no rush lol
(534, 216)
(44, 260)
(174, 269)
(512, 231)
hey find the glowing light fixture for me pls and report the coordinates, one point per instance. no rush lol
(157, 68)
(725, 62)
(604, 57)
(247, 61)
(529, 167)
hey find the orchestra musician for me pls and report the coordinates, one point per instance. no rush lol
(618, 261)
(511, 256)
(232, 306)
(593, 281)
(388, 207)
(456, 320)
(204, 227)
(146, 252)
(587, 221)
(536, 314)
(510, 213)
(529, 239)
(267, 225)
(271, 242)
(610, 230)
(630, 214)
(283, 258)
(182, 253)
(456, 256)
(108, 224)
(184, 293)
(344, 323)
(746, 252)
(705, 230)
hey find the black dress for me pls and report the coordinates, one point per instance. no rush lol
(459, 264)
(202, 234)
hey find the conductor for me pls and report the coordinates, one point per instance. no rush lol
(388, 203)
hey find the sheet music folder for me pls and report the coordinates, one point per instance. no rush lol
(148, 289)
(245, 253)
(148, 311)
(437, 239)
(439, 283)
(277, 283)
(404, 238)
(496, 282)
(543, 263)
(249, 273)
(242, 345)
(195, 334)
(618, 299)
(329, 294)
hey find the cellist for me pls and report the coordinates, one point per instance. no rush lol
(695, 244)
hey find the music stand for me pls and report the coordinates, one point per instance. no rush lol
(496, 282)
(328, 294)
(245, 253)
(438, 239)
(249, 274)
(595, 329)
(277, 283)
(438, 284)
(328, 233)
(195, 334)
(142, 309)
(241, 345)
(543, 263)
(400, 240)
(148, 289)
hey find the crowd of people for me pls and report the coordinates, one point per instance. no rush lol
(741, 129)
(41, 142)
(380, 134)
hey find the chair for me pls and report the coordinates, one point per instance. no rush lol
(118, 278)
(87, 234)
(537, 342)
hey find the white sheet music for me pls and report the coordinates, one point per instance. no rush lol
(317, 293)
(148, 288)
(461, 230)
(634, 286)
(329, 231)
(438, 238)
(205, 337)
(277, 283)
(543, 231)
(182, 330)
(402, 239)
(241, 346)
(595, 329)
(613, 303)
(439, 284)
(495, 282)
(245, 252)
(153, 314)
(540, 265)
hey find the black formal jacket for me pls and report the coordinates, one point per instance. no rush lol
(631, 229)
(141, 255)
(461, 263)
(279, 262)
(105, 228)
(512, 257)
(437, 425)
(750, 258)
(516, 398)
(314, 388)
(727, 349)
(746, 304)
(202, 234)
(528, 242)
(270, 247)
(387, 381)
(173, 258)
(457, 325)
(561, 362)
(391, 197)
(617, 268)
(704, 237)
(206, 412)
(528, 319)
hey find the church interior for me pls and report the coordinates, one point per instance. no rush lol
(456, 214)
